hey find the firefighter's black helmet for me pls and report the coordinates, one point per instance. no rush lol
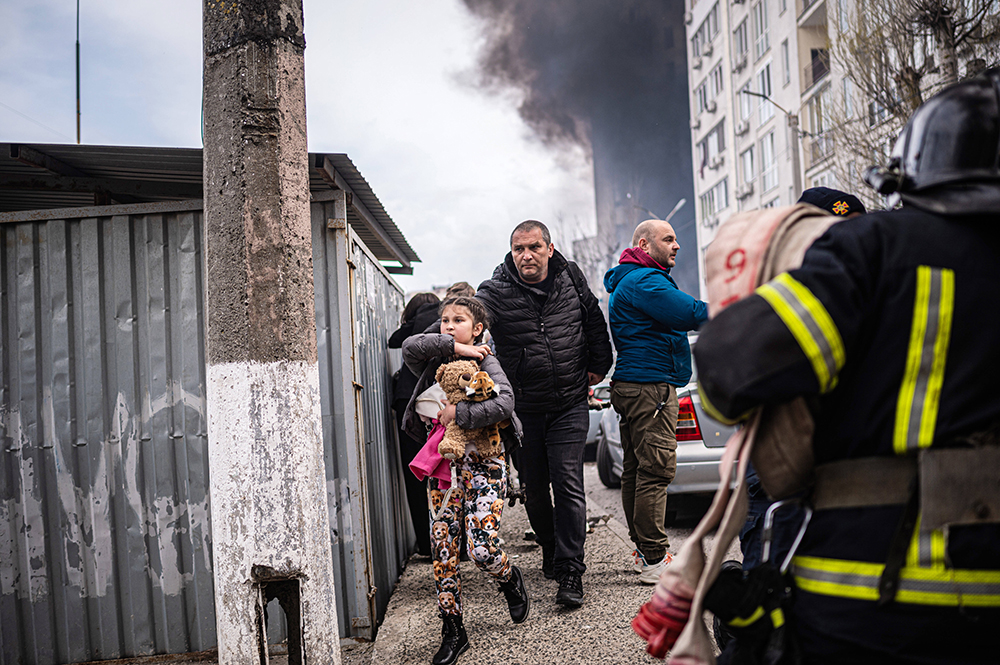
(947, 159)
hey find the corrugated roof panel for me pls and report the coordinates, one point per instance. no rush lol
(67, 175)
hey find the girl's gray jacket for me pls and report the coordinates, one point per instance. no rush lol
(423, 354)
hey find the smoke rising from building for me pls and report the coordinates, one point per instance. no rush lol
(609, 76)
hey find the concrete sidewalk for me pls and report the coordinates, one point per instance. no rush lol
(598, 632)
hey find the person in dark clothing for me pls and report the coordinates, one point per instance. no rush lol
(552, 341)
(420, 313)
(788, 519)
(889, 329)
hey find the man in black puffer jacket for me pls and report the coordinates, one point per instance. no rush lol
(552, 341)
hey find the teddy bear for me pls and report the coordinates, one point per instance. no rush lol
(482, 389)
(454, 378)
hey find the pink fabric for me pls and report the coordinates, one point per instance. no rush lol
(636, 255)
(428, 462)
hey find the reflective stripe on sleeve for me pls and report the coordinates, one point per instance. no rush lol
(810, 324)
(917, 586)
(709, 408)
(930, 333)
(926, 549)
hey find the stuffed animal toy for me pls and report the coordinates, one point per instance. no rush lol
(482, 389)
(456, 379)
(453, 378)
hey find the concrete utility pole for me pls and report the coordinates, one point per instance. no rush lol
(270, 522)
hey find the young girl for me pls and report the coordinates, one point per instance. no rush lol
(477, 503)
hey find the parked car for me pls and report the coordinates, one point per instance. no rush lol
(700, 444)
(600, 400)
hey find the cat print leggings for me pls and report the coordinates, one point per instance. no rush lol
(482, 486)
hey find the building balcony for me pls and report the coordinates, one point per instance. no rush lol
(817, 69)
(820, 147)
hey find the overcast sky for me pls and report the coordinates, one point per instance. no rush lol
(387, 82)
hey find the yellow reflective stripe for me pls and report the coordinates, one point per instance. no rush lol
(740, 622)
(923, 375)
(777, 617)
(810, 324)
(937, 549)
(917, 586)
(926, 548)
(934, 382)
(709, 408)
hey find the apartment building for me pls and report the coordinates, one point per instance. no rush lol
(765, 97)
(748, 88)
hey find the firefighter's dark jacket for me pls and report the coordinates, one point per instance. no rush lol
(546, 343)
(891, 328)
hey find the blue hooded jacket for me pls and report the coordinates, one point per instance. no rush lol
(649, 319)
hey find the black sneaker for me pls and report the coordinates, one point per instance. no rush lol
(517, 595)
(549, 561)
(570, 591)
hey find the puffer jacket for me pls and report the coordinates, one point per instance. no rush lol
(546, 350)
(650, 318)
(423, 354)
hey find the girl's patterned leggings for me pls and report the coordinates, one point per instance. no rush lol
(482, 486)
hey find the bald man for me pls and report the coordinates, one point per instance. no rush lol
(650, 318)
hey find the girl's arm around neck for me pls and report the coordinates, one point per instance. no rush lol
(418, 349)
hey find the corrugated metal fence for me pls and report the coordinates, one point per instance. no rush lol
(105, 538)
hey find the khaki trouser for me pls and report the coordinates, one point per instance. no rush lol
(649, 441)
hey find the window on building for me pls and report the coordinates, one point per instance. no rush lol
(842, 22)
(824, 179)
(782, 6)
(712, 146)
(768, 164)
(819, 111)
(765, 108)
(741, 44)
(786, 67)
(747, 169)
(715, 200)
(761, 38)
(923, 50)
(701, 98)
(877, 113)
(706, 32)
(746, 102)
(773, 203)
(715, 81)
(848, 97)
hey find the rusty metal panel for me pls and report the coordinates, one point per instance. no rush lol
(104, 512)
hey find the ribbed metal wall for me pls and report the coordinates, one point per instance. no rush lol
(378, 304)
(372, 533)
(104, 509)
(105, 531)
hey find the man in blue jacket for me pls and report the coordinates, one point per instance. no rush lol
(649, 319)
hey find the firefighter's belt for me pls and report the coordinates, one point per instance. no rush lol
(956, 485)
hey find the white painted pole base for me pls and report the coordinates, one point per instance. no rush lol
(269, 505)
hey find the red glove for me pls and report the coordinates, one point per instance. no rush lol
(660, 622)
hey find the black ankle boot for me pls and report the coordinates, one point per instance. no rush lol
(454, 641)
(517, 595)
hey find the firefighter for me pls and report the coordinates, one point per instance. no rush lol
(890, 330)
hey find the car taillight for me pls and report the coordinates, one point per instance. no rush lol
(687, 421)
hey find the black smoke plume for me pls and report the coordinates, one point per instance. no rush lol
(610, 76)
